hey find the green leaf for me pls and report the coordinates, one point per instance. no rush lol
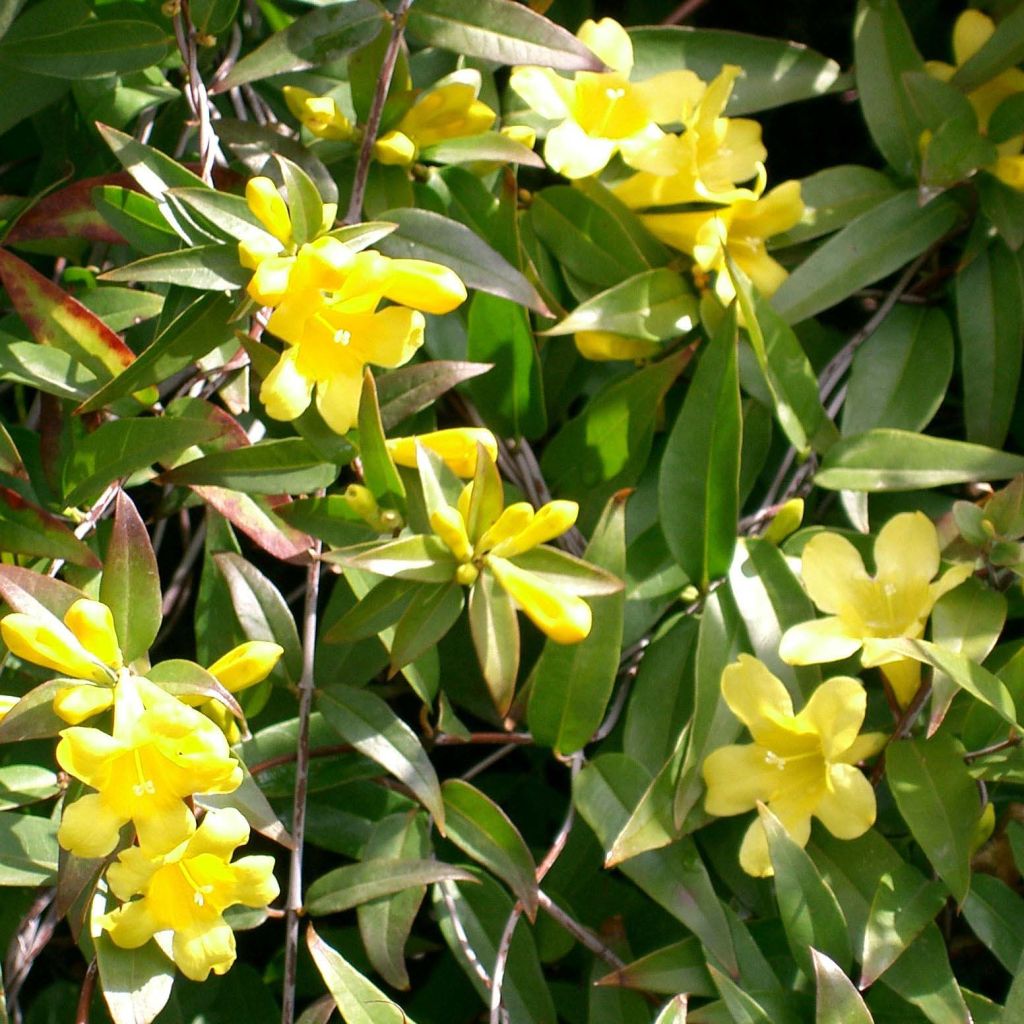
(423, 558)
(154, 171)
(489, 146)
(743, 1007)
(1004, 207)
(200, 328)
(136, 217)
(364, 720)
(204, 267)
(305, 206)
(358, 999)
(698, 489)
(130, 585)
(425, 235)
(481, 829)
(1007, 119)
(990, 320)
(410, 389)
(899, 376)
(572, 684)
(810, 913)
(22, 784)
(837, 997)
(122, 447)
(377, 611)
(30, 530)
(136, 983)
(88, 51)
(228, 213)
(876, 244)
(495, 632)
(568, 573)
(903, 905)
(775, 71)
(181, 677)
(897, 460)
(284, 465)
(939, 801)
(331, 519)
(55, 318)
(511, 395)
(680, 967)
(379, 472)
(355, 884)
(47, 369)
(425, 622)
(1003, 49)
(501, 31)
(33, 716)
(883, 49)
(261, 610)
(213, 16)
(655, 305)
(996, 915)
(28, 849)
(316, 38)
(674, 1011)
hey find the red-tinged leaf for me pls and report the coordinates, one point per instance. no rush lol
(24, 590)
(29, 530)
(69, 213)
(55, 318)
(255, 518)
(131, 581)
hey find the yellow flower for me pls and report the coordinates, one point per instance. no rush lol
(161, 752)
(327, 313)
(320, 114)
(500, 536)
(800, 766)
(602, 346)
(185, 892)
(862, 609)
(741, 229)
(269, 208)
(603, 113)
(971, 31)
(246, 665)
(448, 110)
(457, 447)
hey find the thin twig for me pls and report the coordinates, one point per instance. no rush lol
(1013, 740)
(903, 726)
(580, 932)
(460, 933)
(293, 904)
(499, 1015)
(180, 586)
(683, 11)
(483, 738)
(88, 524)
(85, 996)
(387, 71)
(562, 836)
(491, 759)
(196, 95)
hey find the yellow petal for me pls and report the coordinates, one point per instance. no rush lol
(131, 872)
(513, 520)
(269, 284)
(255, 884)
(92, 622)
(77, 703)
(543, 91)
(7, 702)
(337, 400)
(321, 265)
(166, 823)
(754, 857)
(810, 643)
(252, 252)
(670, 96)
(737, 776)
(949, 580)
(563, 617)
(610, 41)
(130, 926)
(89, 827)
(204, 948)
(847, 809)
(568, 150)
(778, 211)
(269, 208)
(49, 643)
(756, 698)
(868, 744)
(833, 572)
(247, 664)
(85, 753)
(1010, 171)
(220, 833)
(907, 550)
(389, 338)
(904, 676)
(449, 525)
(456, 446)
(423, 285)
(394, 149)
(286, 392)
(521, 133)
(550, 521)
(296, 99)
(836, 712)
(970, 33)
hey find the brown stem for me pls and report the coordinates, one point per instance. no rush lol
(1011, 741)
(580, 932)
(85, 996)
(683, 11)
(903, 725)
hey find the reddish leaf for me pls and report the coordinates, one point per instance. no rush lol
(23, 590)
(27, 529)
(253, 516)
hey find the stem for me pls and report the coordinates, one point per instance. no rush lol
(195, 92)
(499, 1015)
(460, 933)
(580, 932)
(85, 996)
(387, 71)
(683, 11)
(293, 905)
(1011, 741)
(88, 524)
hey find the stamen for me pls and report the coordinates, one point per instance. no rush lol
(144, 786)
(199, 892)
(342, 337)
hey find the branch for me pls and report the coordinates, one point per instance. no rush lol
(85, 996)
(580, 932)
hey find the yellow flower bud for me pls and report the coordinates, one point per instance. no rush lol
(565, 618)
(52, 645)
(77, 703)
(449, 525)
(456, 446)
(513, 520)
(252, 254)
(361, 500)
(520, 133)
(92, 622)
(269, 208)
(269, 285)
(245, 665)
(788, 518)
(602, 346)
(319, 114)
(466, 574)
(423, 285)
(552, 520)
(395, 148)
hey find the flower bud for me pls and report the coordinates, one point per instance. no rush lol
(395, 148)
(466, 574)
(456, 446)
(563, 617)
(51, 645)
(787, 519)
(449, 525)
(269, 208)
(92, 622)
(602, 346)
(423, 285)
(245, 665)
(552, 520)
(521, 133)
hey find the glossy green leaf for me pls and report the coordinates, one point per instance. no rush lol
(136, 983)
(743, 1007)
(130, 586)
(409, 389)
(365, 720)
(425, 622)
(204, 267)
(485, 146)
(990, 321)
(315, 38)
(22, 784)
(229, 213)
(680, 967)
(876, 244)
(898, 460)
(1003, 49)
(28, 529)
(47, 369)
(674, 1011)
(379, 472)
(883, 50)
(698, 490)
(810, 913)
(378, 610)
(571, 684)
(939, 802)
(28, 849)
(423, 558)
(573, 575)
(495, 630)
(1004, 207)
(330, 518)
(899, 376)
(425, 235)
(775, 71)
(501, 31)
(136, 217)
(996, 915)
(358, 1000)
(33, 716)
(305, 207)
(837, 997)
(154, 171)
(482, 830)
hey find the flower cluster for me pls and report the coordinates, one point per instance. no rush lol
(326, 302)
(157, 755)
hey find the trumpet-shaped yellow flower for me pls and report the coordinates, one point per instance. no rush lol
(489, 541)
(319, 114)
(970, 33)
(270, 209)
(185, 892)
(327, 313)
(799, 765)
(604, 113)
(862, 609)
(456, 446)
(451, 109)
(161, 752)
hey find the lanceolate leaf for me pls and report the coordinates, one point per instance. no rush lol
(837, 998)
(28, 529)
(136, 983)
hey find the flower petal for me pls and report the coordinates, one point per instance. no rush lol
(86, 753)
(569, 150)
(130, 926)
(833, 572)
(543, 91)
(756, 697)
(131, 872)
(337, 400)
(907, 550)
(245, 665)
(737, 776)
(670, 96)
(92, 622)
(255, 884)
(904, 676)
(848, 808)
(77, 703)
(610, 41)
(836, 712)
(89, 827)
(286, 392)
(220, 833)
(204, 948)
(809, 643)
(163, 824)
(563, 617)
(970, 33)
(389, 338)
